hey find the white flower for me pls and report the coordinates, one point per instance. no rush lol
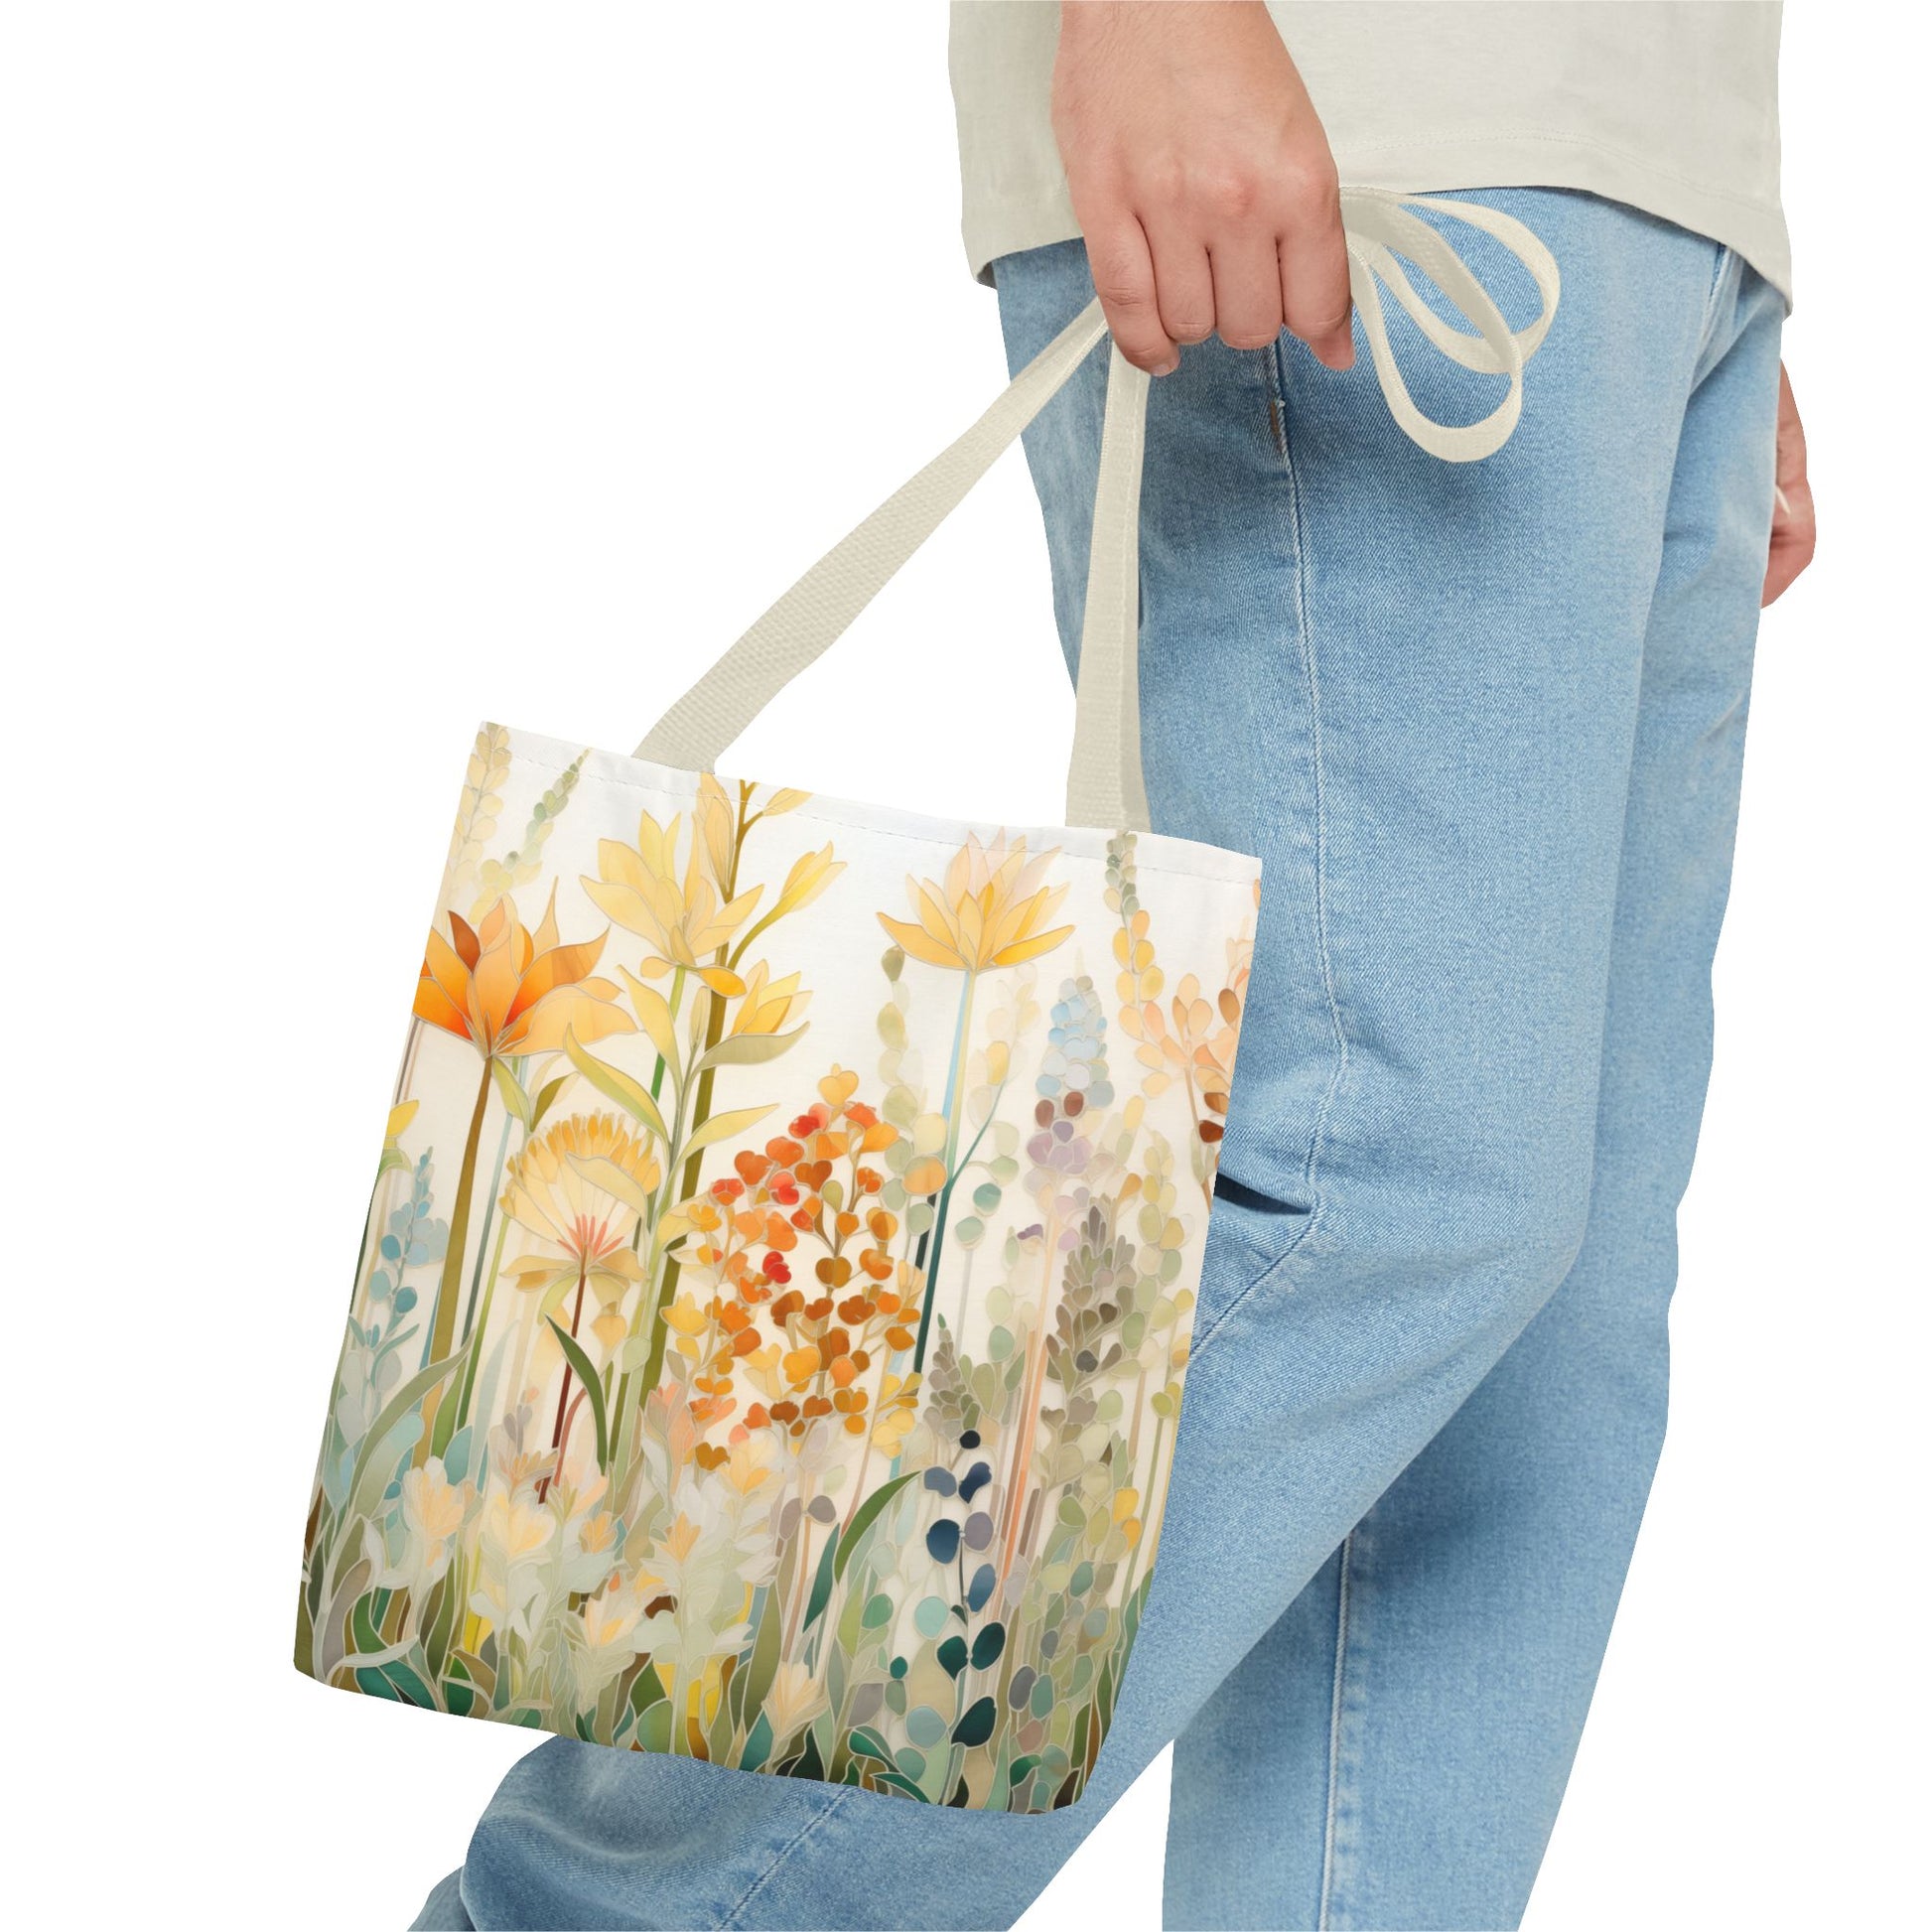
(512, 1552)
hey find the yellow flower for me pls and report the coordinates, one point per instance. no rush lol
(432, 1505)
(796, 1698)
(686, 1316)
(683, 922)
(680, 1540)
(762, 1365)
(1197, 1047)
(769, 1006)
(511, 992)
(810, 873)
(580, 1188)
(749, 1465)
(897, 1411)
(987, 912)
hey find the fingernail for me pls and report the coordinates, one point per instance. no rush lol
(1169, 366)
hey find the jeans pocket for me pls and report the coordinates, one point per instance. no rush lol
(1249, 1236)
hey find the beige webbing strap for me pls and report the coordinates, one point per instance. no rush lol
(1104, 785)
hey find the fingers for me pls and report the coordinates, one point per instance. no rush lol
(1794, 521)
(1183, 281)
(1314, 274)
(1123, 278)
(1247, 290)
(1794, 541)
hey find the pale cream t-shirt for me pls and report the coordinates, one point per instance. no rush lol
(1667, 105)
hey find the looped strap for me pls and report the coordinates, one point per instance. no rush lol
(1379, 226)
(1104, 781)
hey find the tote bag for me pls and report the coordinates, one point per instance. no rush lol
(767, 1340)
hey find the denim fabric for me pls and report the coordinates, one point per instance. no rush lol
(1487, 744)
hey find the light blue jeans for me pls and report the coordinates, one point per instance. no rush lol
(1488, 743)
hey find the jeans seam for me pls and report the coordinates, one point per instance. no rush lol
(785, 1851)
(1719, 264)
(1323, 1917)
(1312, 684)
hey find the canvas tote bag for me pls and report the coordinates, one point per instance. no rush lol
(768, 1339)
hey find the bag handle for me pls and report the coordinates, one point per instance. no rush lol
(1105, 788)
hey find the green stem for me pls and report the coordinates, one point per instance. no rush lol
(489, 1214)
(448, 1290)
(620, 1411)
(1147, 1511)
(563, 1398)
(714, 1031)
(955, 1107)
(468, 1391)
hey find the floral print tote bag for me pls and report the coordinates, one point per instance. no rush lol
(767, 1340)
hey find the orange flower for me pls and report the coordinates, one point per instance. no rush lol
(510, 991)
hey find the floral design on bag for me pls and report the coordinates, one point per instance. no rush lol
(764, 1348)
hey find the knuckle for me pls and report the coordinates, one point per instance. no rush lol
(1312, 184)
(1314, 320)
(1121, 288)
(1162, 180)
(1229, 194)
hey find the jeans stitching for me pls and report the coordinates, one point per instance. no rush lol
(1719, 264)
(785, 1851)
(1322, 1920)
(1305, 631)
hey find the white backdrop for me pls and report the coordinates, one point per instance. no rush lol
(369, 370)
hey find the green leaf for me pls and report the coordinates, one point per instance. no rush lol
(822, 1582)
(509, 1090)
(988, 1645)
(586, 1374)
(867, 1742)
(410, 1687)
(546, 1099)
(897, 1783)
(722, 1126)
(618, 1086)
(764, 1665)
(863, 1518)
(952, 1655)
(400, 1404)
(757, 1747)
(976, 1726)
(749, 1050)
(808, 1763)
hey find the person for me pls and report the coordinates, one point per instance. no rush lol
(1489, 750)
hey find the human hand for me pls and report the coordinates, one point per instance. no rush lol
(1794, 527)
(1201, 178)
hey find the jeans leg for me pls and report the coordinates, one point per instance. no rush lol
(1412, 688)
(1429, 1708)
